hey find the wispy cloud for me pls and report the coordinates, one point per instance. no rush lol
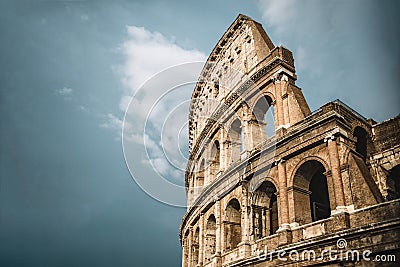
(112, 122)
(65, 91)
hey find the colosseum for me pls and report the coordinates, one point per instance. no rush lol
(270, 183)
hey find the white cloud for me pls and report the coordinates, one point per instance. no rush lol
(146, 54)
(112, 122)
(65, 91)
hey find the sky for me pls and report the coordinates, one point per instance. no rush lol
(69, 70)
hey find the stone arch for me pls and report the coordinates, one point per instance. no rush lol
(232, 224)
(199, 182)
(357, 123)
(310, 192)
(210, 237)
(235, 135)
(262, 124)
(258, 180)
(264, 210)
(301, 162)
(266, 93)
(215, 159)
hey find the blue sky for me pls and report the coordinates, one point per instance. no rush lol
(68, 70)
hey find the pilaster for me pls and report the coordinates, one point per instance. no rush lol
(336, 173)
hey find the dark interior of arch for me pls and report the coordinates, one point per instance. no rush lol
(210, 237)
(265, 210)
(393, 182)
(195, 246)
(310, 176)
(233, 230)
(361, 143)
(319, 197)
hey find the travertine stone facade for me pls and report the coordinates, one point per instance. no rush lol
(317, 177)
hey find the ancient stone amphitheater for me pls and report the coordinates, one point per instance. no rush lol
(270, 183)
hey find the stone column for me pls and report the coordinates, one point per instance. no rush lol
(190, 191)
(244, 245)
(284, 97)
(223, 149)
(336, 173)
(251, 221)
(207, 171)
(245, 217)
(283, 195)
(286, 108)
(279, 103)
(246, 135)
(266, 222)
(201, 239)
(218, 231)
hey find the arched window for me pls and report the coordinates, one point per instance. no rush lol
(211, 229)
(195, 247)
(265, 210)
(235, 136)
(361, 144)
(264, 113)
(216, 89)
(232, 223)
(393, 183)
(311, 196)
(200, 176)
(199, 179)
(215, 155)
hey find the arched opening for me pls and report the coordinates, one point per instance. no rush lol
(216, 89)
(393, 183)
(211, 229)
(264, 113)
(273, 215)
(215, 156)
(235, 136)
(199, 182)
(361, 144)
(232, 223)
(319, 198)
(195, 247)
(265, 210)
(310, 191)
